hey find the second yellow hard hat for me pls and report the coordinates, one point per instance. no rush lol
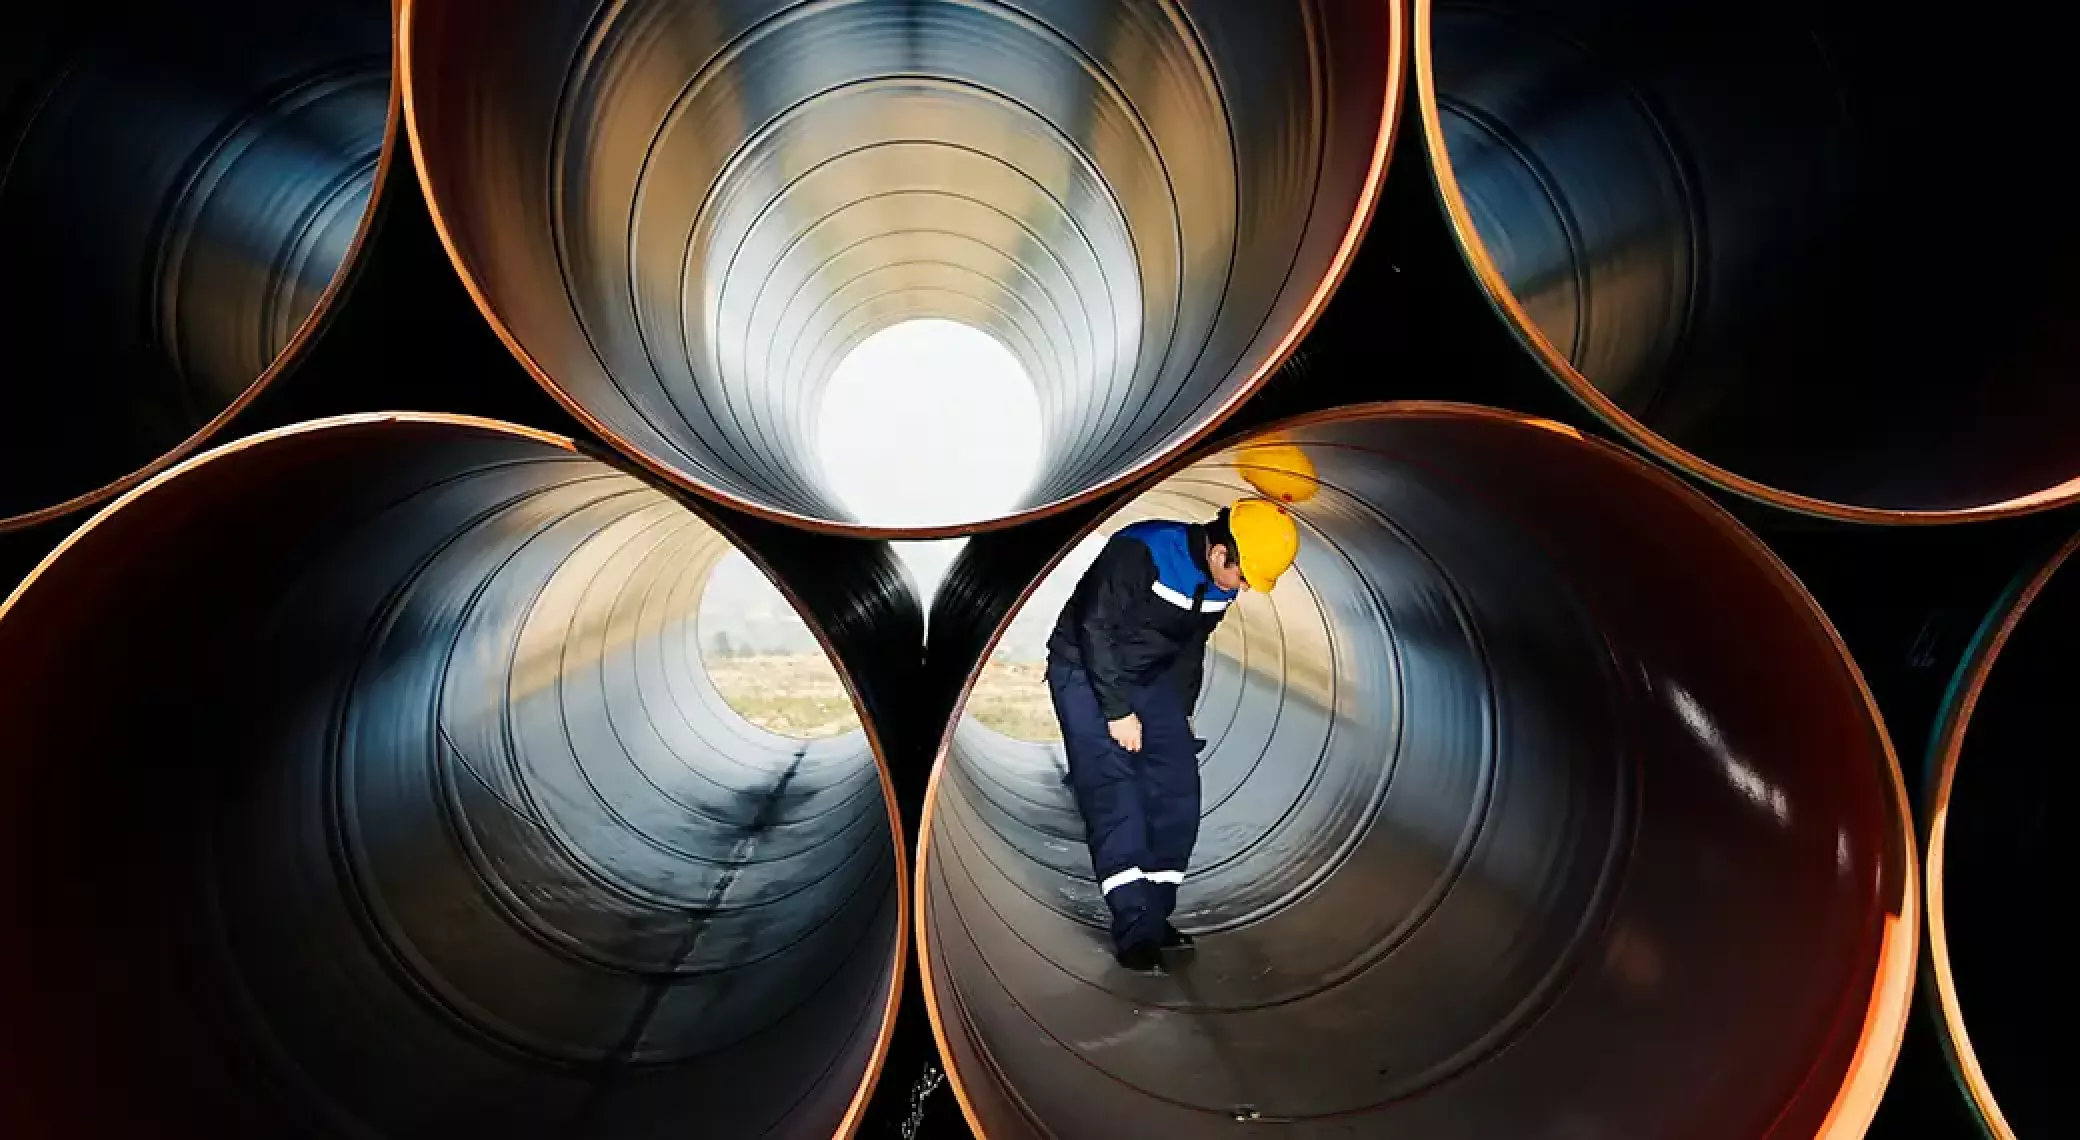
(1280, 472)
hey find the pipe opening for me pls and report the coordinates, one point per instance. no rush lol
(1988, 849)
(181, 189)
(764, 662)
(1536, 791)
(365, 779)
(684, 217)
(928, 423)
(1010, 696)
(1772, 251)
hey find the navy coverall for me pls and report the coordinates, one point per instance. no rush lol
(1133, 639)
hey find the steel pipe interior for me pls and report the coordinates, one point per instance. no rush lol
(1990, 940)
(180, 187)
(683, 216)
(1795, 254)
(1537, 796)
(364, 780)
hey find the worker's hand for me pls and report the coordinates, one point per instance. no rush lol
(1126, 731)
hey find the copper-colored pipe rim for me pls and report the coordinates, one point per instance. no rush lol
(1885, 1016)
(146, 484)
(1556, 364)
(1946, 749)
(1339, 266)
(306, 332)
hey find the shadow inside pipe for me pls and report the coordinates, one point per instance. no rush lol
(182, 185)
(1799, 249)
(366, 780)
(1536, 792)
(687, 214)
(1988, 850)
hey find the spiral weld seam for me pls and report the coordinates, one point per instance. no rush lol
(284, 335)
(1008, 1090)
(346, 835)
(766, 454)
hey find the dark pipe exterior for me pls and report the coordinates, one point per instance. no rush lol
(1815, 259)
(413, 811)
(1539, 792)
(208, 227)
(682, 216)
(1910, 602)
(1985, 822)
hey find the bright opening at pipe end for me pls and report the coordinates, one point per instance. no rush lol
(417, 796)
(763, 659)
(682, 217)
(1010, 695)
(929, 423)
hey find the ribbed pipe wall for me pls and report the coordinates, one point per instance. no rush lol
(682, 216)
(183, 188)
(1817, 258)
(1986, 821)
(364, 779)
(1537, 795)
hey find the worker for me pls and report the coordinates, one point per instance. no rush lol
(1124, 665)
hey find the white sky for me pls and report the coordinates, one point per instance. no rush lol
(925, 422)
(930, 422)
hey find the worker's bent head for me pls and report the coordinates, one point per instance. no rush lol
(1251, 544)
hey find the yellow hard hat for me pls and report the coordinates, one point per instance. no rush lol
(1266, 541)
(1280, 472)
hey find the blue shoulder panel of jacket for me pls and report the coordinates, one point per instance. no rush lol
(1178, 570)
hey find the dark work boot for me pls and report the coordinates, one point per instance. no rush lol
(1142, 958)
(1175, 939)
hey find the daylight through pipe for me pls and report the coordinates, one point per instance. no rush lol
(1798, 257)
(682, 216)
(363, 778)
(183, 190)
(1538, 792)
(1986, 821)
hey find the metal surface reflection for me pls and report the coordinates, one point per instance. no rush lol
(1786, 254)
(1537, 792)
(183, 184)
(364, 779)
(1988, 851)
(682, 216)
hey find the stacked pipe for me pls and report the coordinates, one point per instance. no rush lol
(415, 811)
(360, 774)
(1984, 832)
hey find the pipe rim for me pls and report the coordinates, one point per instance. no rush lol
(1946, 749)
(1869, 1066)
(292, 351)
(870, 1077)
(1466, 237)
(1338, 268)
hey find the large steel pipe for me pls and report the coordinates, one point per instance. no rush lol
(184, 189)
(1539, 799)
(364, 779)
(1796, 255)
(681, 216)
(1986, 815)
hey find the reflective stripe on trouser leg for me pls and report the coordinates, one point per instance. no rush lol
(1108, 796)
(1169, 779)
